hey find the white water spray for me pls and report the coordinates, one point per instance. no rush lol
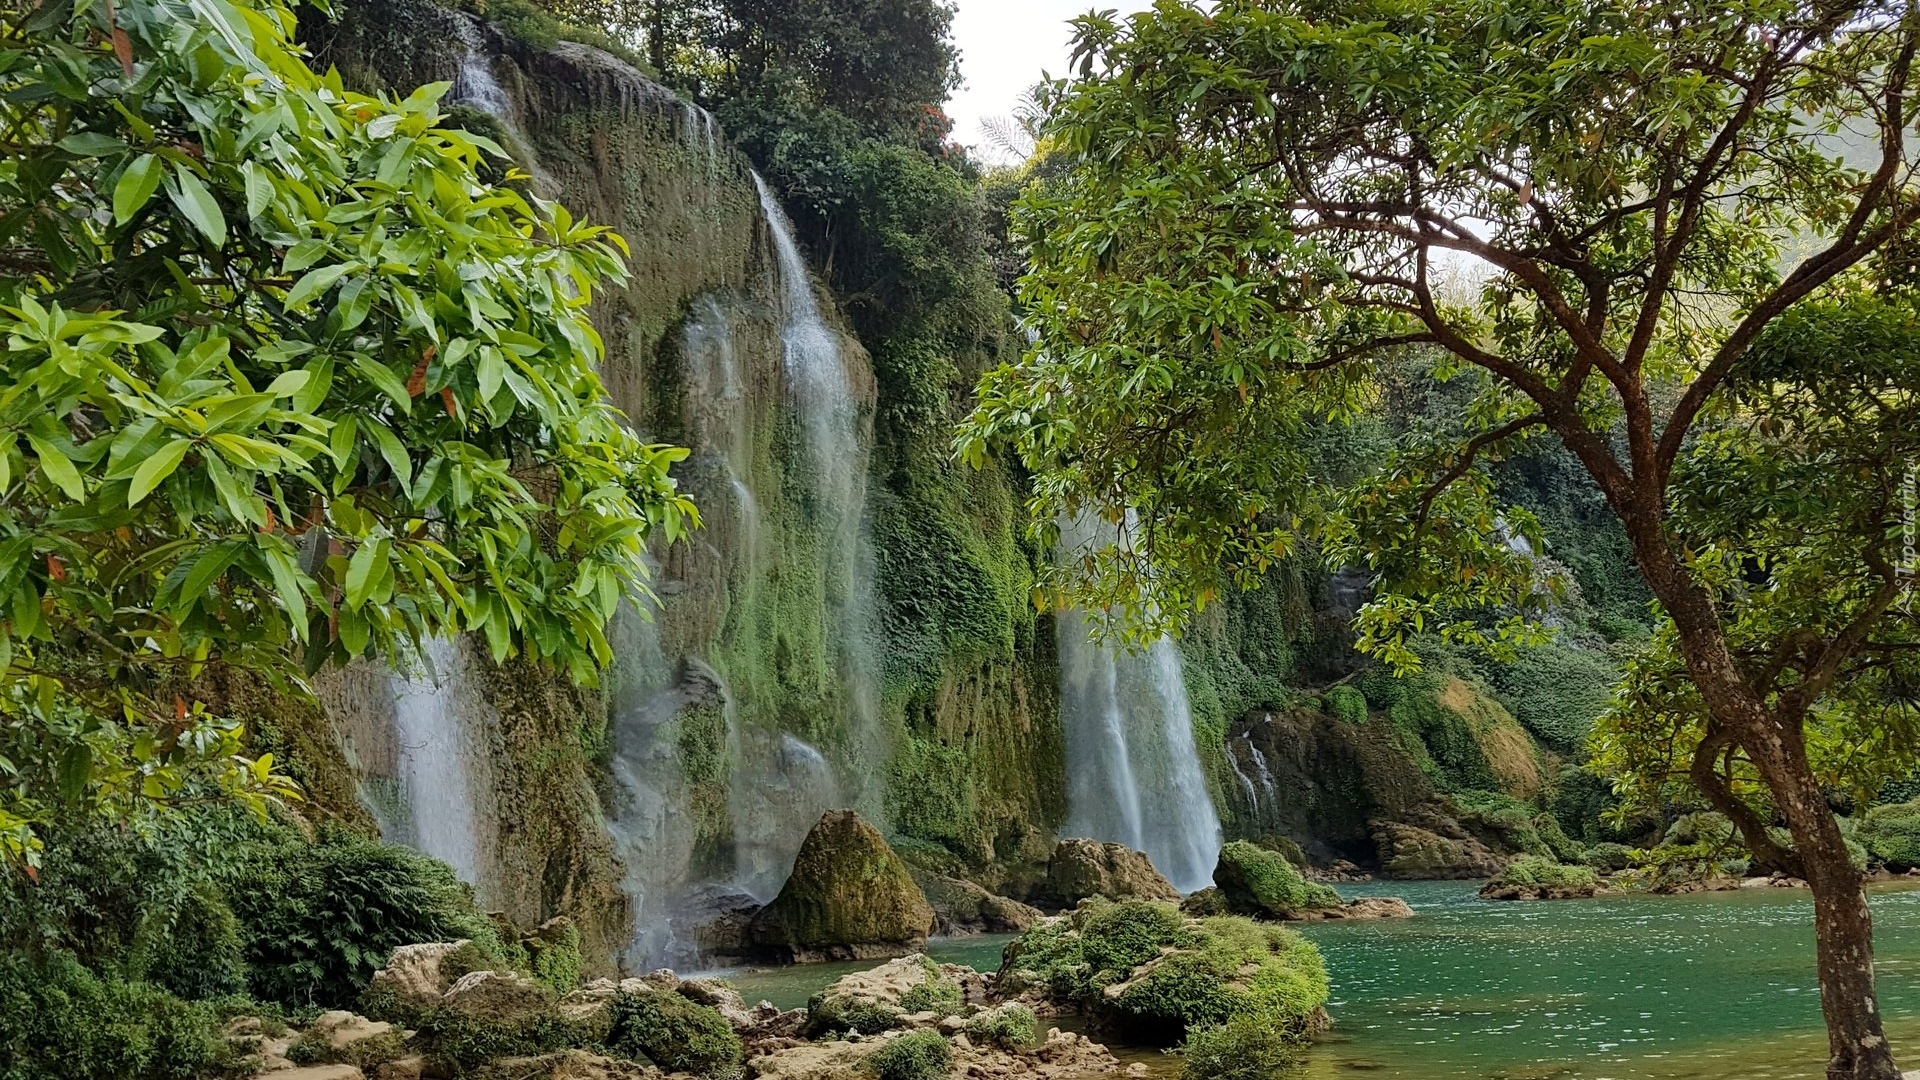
(441, 761)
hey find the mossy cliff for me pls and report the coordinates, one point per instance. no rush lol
(733, 717)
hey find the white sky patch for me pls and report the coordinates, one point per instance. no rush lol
(1005, 45)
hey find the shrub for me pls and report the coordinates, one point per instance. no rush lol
(316, 1048)
(1609, 857)
(1012, 1027)
(1243, 1048)
(1347, 704)
(458, 1041)
(1232, 967)
(319, 919)
(674, 1033)
(934, 993)
(917, 1055)
(1546, 873)
(1254, 881)
(58, 1019)
(1891, 834)
(1177, 972)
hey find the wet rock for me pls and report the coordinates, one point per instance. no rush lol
(722, 998)
(1265, 884)
(1501, 890)
(962, 907)
(1080, 869)
(417, 975)
(850, 897)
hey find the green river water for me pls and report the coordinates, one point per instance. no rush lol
(1713, 985)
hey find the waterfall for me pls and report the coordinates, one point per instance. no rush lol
(1240, 774)
(817, 377)
(442, 762)
(1133, 772)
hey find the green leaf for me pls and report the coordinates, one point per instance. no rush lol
(195, 201)
(394, 452)
(313, 283)
(156, 469)
(137, 184)
(360, 570)
(58, 469)
(259, 189)
(75, 771)
(91, 144)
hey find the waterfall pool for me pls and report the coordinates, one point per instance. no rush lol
(1712, 985)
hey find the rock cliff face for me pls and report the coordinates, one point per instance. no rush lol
(850, 627)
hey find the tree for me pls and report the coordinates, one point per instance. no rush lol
(285, 384)
(1691, 219)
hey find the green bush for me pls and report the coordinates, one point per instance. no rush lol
(319, 919)
(917, 1055)
(1347, 704)
(458, 1041)
(1012, 1027)
(1177, 972)
(1258, 882)
(1891, 834)
(1545, 872)
(58, 1019)
(315, 1048)
(1556, 691)
(934, 993)
(1609, 857)
(676, 1034)
(1243, 1048)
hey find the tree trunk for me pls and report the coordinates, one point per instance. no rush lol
(1842, 925)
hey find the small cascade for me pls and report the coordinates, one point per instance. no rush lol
(441, 762)
(1133, 770)
(1240, 774)
(817, 377)
(475, 85)
(651, 833)
(781, 787)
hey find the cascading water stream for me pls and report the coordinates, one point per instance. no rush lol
(818, 379)
(439, 755)
(1133, 771)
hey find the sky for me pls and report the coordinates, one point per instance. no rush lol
(1004, 46)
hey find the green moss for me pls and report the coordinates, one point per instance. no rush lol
(314, 1048)
(1258, 882)
(1556, 691)
(917, 1055)
(553, 955)
(674, 1033)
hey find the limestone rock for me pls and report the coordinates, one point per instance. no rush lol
(318, 1072)
(411, 1067)
(832, 1060)
(1366, 907)
(887, 996)
(722, 998)
(962, 907)
(342, 1031)
(565, 1065)
(1433, 850)
(1081, 868)
(500, 996)
(415, 975)
(1506, 890)
(850, 897)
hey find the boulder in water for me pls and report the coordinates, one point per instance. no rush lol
(1261, 883)
(962, 907)
(889, 996)
(1411, 851)
(850, 897)
(1081, 869)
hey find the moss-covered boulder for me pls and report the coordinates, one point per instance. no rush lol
(673, 1032)
(1261, 883)
(849, 898)
(962, 907)
(1083, 869)
(1143, 967)
(1531, 877)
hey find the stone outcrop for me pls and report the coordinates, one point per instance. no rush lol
(849, 898)
(962, 907)
(907, 992)
(416, 974)
(1063, 1056)
(1427, 842)
(1081, 869)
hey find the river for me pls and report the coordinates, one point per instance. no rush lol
(1634, 987)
